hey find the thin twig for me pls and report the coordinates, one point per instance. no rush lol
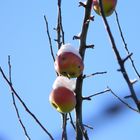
(125, 44)
(126, 104)
(127, 57)
(90, 46)
(24, 105)
(61, 40)
(64, 127)
(59, 29)
(82, 4)
(90, 127)
(71, 121)
(98, 93)
(84, 132)
(118, 57)
(49, 37)
(14, 102)
(60, 22)
(93, 74)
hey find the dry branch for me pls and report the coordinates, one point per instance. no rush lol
(24, 105)
(80, 131)
(49, 37)
(118, 57)
(125, 44)
(14, 102)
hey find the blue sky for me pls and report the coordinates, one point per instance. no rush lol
(23, 37)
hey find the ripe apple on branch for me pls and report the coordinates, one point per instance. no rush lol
(62, 97)
(108, 6)
(69, 62)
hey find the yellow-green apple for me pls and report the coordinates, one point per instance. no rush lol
(68, 62)
(108, 6)
(62, 99)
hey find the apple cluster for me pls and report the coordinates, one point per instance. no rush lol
(68, 64)
(108, 6)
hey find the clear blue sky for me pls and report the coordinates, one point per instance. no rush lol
(23, 36)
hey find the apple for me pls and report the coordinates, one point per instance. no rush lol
(108, 6)
(69, 64)
(68, 61)
(62, 99)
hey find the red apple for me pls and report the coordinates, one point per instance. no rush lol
(62, 99)
(69, 64)
(108, 6)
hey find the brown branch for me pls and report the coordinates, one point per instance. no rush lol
(125, 44)
(82, 4)
(76, 37)
(64, 127)
(61, 40)
(71, 121)
(90, 46)
(127, 57)
(14, 102)
(49, 37)
(90, 127)
(60, 22)
(93, 74)
(59, 28)
(118, 57)
(24, 105)
(79, 81)
(84, 132)
(96, 94)
(123, 101)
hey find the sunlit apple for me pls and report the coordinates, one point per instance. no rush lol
(62, 99)
(108, 6)
(69, 64)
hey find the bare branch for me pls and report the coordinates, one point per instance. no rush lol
(14, 103)
(133, 81)
(76, 37)
(83, 4)
(85, 134)
(90, 46)
(83, 131)
(93, 74)
(50, 42)
(24, 105)
(125, 44)
(60, 23)
(64, 127)
(71, 121)
(118, 57)
(96, 94)
(59, 28)
(128, 96)
(127, 57)
(123, 101)
(79, 82)
(90, 127)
